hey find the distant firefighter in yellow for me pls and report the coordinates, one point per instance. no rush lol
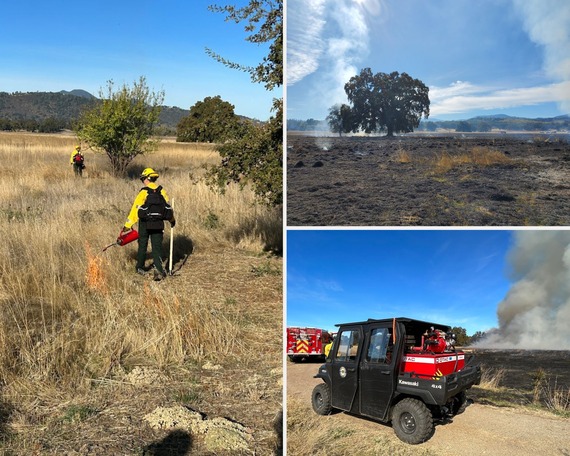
(77, 161)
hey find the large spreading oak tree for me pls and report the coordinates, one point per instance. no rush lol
(392, 102)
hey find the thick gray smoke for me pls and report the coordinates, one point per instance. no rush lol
(535, 313)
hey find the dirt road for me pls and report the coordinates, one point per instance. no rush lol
(481, 430)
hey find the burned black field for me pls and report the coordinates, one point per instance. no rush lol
(529, 378)
(521, 366)
(428, 181)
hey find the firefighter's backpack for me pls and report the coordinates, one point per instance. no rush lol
(78, 160)
(155, 209)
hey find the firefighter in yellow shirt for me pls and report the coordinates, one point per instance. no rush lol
(77, 160)
(153, 229)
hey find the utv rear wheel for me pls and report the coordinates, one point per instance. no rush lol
(412, 421)
(459, 403)
(321, 399)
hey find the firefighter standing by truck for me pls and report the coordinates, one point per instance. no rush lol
(150, 226)
(77, 161)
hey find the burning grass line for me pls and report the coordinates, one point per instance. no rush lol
(95, 277)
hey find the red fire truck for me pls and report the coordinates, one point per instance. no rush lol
(307, 343)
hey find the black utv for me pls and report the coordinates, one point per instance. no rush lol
(400, 370)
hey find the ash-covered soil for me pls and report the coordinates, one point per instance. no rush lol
(374, 181)
(522, 368)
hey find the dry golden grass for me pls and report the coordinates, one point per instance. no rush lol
(74, 318)
(545, 393)
(309, 433)
(492, 378)
(443, 162)
(557, 398)
(402, 156)
(478, 156)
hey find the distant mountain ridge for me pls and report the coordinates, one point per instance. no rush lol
(65, 107)
(79, 93)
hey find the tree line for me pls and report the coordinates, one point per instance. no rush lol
(49, 125)
(506, 123)
(463, 339)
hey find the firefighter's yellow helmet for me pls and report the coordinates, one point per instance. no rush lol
(148, 173)
(78, 147)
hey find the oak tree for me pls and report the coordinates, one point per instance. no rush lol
(392, 102)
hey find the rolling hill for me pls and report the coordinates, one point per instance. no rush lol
(63, 108)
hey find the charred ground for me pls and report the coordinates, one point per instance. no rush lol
(498, 180)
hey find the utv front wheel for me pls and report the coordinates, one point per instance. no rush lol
(321, 399)
(412, 421)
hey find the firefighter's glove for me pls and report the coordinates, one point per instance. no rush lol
(125, 229)
(172, 223)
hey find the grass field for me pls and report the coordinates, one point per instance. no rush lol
(88, 348)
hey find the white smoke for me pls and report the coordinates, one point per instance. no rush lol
(535, 313)
(331, 34)
(547, 23)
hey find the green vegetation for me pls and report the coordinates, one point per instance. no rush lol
(393, 102)
(123, 124)
(211, 120)
(340, 119)
(256, 156)
(265, 19)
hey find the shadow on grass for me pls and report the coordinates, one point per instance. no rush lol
(176, 443)
(182, 248)
(267, 226)
(5, 412)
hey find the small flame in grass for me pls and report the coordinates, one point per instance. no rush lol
(95, 276)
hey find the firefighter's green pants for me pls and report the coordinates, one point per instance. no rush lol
(156, 237)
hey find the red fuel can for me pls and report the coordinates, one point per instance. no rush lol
(128, 237)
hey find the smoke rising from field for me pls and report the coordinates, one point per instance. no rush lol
(332, 34)
(535, 313)
(547, 23)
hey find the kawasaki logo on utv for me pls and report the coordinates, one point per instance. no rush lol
(400, 370)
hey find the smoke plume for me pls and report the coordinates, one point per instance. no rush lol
(547, 23)
(535, 313)
(328, 34)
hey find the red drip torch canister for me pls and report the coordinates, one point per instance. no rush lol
(128, 237)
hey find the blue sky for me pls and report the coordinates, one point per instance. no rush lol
(478, 58)
(454, 277)
(65, 45)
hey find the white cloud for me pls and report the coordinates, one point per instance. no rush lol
(329, 35)
(464, 97)
(305, 45)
